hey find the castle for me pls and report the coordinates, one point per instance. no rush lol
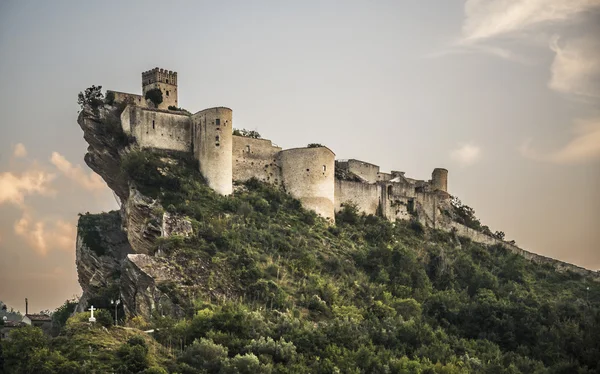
(310, 174)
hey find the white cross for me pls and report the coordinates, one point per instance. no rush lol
(92, 319)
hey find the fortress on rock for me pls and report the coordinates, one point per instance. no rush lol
(310, 174)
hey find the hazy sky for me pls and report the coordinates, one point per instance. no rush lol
(504, 94)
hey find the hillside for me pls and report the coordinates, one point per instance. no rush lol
(254, 283)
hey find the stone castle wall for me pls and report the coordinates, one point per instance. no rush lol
(157, 129)
(212, 131)
(365, 196)
(123, 97)
(255, 158)
(308, 175)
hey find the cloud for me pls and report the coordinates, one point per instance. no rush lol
(14, 187)
(19, 151)
(466, 155)
(43, 235)
(584, 147)
(576, 66)
(485, 19)
(91, 181)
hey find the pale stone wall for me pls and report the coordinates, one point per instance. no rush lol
(364, 195)
(365, 170)
(157, 129)
(122, 97)
(255, 158)
(212, 132)
(308, 175)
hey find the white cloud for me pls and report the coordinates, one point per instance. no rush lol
(19, 151)
(485, 19)
(466, 154)
(44, 235)
(584, 147)
(91, 181)
(576, 66)
(14, 187)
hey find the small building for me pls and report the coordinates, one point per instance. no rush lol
(7, 327)
(42, 321)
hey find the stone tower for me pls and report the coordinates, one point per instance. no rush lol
(439, 179)
(164, 80)
(212, 136)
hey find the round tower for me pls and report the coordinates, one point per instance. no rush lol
(439, 179)
(213, 138)
(308, 175)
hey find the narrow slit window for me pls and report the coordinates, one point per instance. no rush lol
(324, 168)
(153, 125)
(217, 138)
(248, 148)
(167, 93)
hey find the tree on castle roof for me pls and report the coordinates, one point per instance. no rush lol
(155, 95)
(315, 145)
(247, 133)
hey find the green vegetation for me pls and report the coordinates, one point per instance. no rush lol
(315, 145)
(177, 109)
(90, 226)
(155, 95)
(92, 96)
(247, 133)
(272, 288)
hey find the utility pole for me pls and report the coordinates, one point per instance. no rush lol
(116, 304)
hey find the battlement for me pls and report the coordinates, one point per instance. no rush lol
(157, 75)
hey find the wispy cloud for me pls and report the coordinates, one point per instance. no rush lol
(576, 66)
(486, 19)
(43, 235)
(14, 187)
(19, 151)
(584, 147)
(89, 181)
(466, 154)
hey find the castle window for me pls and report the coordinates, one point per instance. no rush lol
(218, 122)
(167, 93)
(217, 138)
(324, 168)
(167, 82)
(248, 148)
(152, 124)
(389, 191)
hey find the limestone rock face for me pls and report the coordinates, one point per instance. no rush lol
(115, 251)
(100, 248)
(144, 281)
(102, 131)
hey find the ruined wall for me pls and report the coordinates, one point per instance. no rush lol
(364, 195)
(308, 175)
(212, 134)
(255, 158)
(122, 97)
(157, 129)
(368, 172)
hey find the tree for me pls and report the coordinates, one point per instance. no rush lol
(155, 95)
(499, 235)
(21, 347)
(314, 145)
(92, 96)
(61, 314)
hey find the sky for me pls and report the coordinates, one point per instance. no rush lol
(505, 94)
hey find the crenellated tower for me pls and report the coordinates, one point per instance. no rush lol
(164, 80)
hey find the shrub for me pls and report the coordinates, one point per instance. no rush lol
(110, 98)
(92, 96)
(247, 133)
(155, 95)
(315, 145)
